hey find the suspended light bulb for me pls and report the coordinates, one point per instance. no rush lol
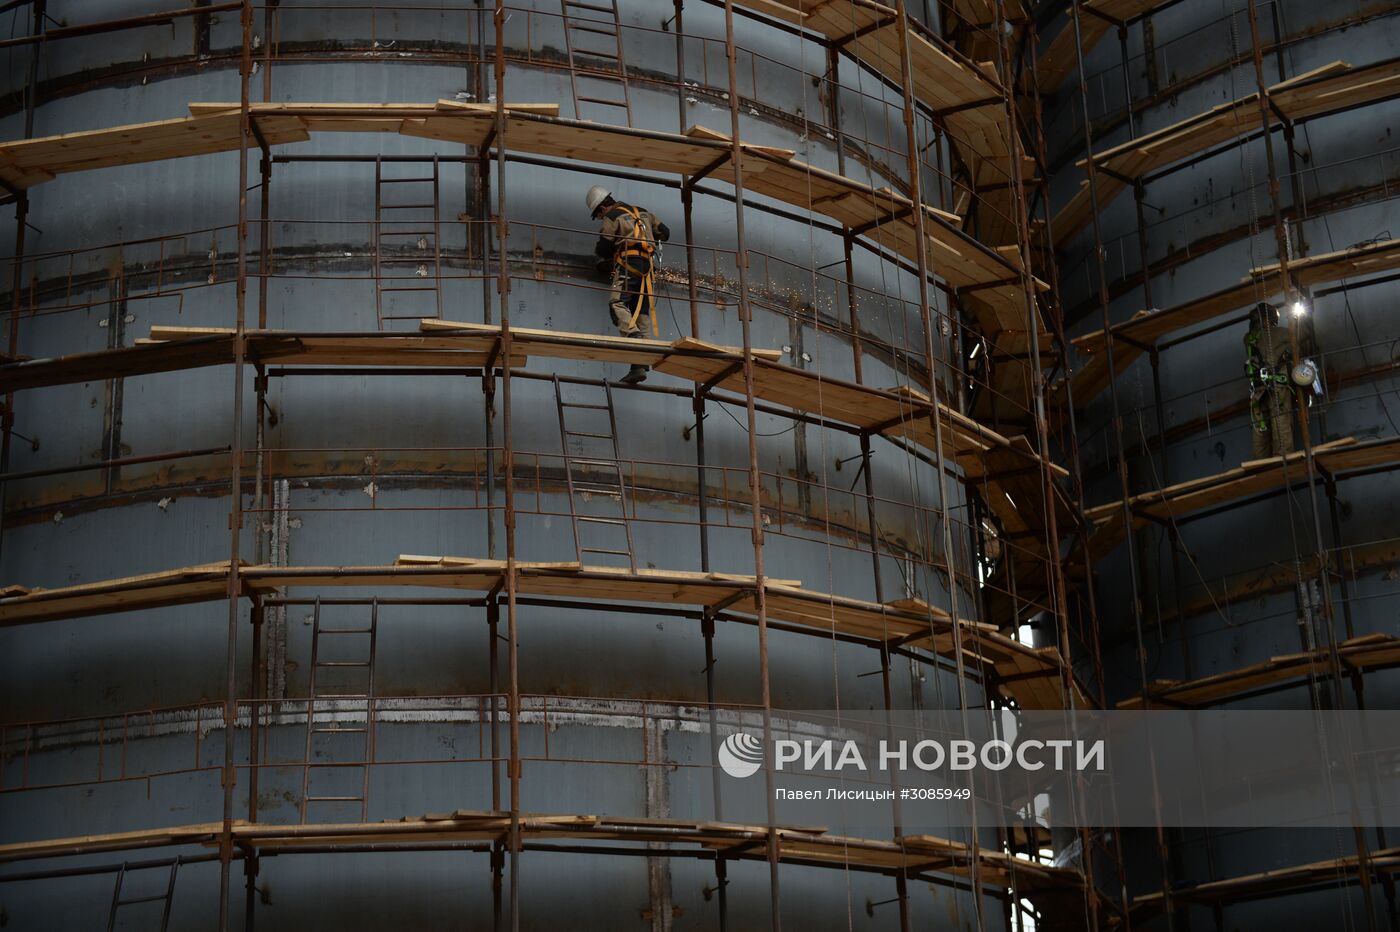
(1299, 308)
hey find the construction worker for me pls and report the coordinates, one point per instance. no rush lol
(627, 246)
(1267, 364)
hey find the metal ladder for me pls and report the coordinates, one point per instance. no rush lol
(401, 217)
(596, 483)
(337, 700)
(597, 79)
(167, 897)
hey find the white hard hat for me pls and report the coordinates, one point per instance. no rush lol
(595, 196)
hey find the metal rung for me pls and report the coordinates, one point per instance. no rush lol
(598, 488)
(599, 100)
(597, 27)
(384, 233)
(615, 553)
(582, 5)
(403, 180)
(582, 461)
(601, 75)
(347, 630)
(592, 520)
(140, 899)
(338, 731)
(400, 260)
(579, 404)
(405, 206)
(588, 433)
(595, 53)
(405, 278)
(339, 696)
(342, 663)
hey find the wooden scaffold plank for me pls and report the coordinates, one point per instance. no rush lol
(1332, 88)
(1028, 676)
(1261, 284)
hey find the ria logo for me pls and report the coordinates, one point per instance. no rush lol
(741, 754)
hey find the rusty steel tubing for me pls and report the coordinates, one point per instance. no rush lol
(1056, 581)
(926, 316)
(1123, 483)
(508, 462)
(755, 493)
(1076, 459)
(240, 346)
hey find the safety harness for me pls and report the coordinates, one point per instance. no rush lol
(1259, 378)
(639, 244)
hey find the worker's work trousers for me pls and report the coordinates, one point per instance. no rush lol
(626, 292)
(1273, 409)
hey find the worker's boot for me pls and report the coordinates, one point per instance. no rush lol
(638, 373)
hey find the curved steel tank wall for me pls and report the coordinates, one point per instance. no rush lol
(1208, 223)
(369, 476)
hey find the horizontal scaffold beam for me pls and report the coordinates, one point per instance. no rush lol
(1304, 878)
(1367, 652)
(1098, 19)
(959, 259)
(1261, 284)
(1330, 89)
(1251, 478)
(967, 97)
(1210, 595)
(1031, 677)
(869, 32)
(1004, 470)
(914, 854)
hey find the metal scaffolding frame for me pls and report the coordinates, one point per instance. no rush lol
(1324, 670)
(1039, 589)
